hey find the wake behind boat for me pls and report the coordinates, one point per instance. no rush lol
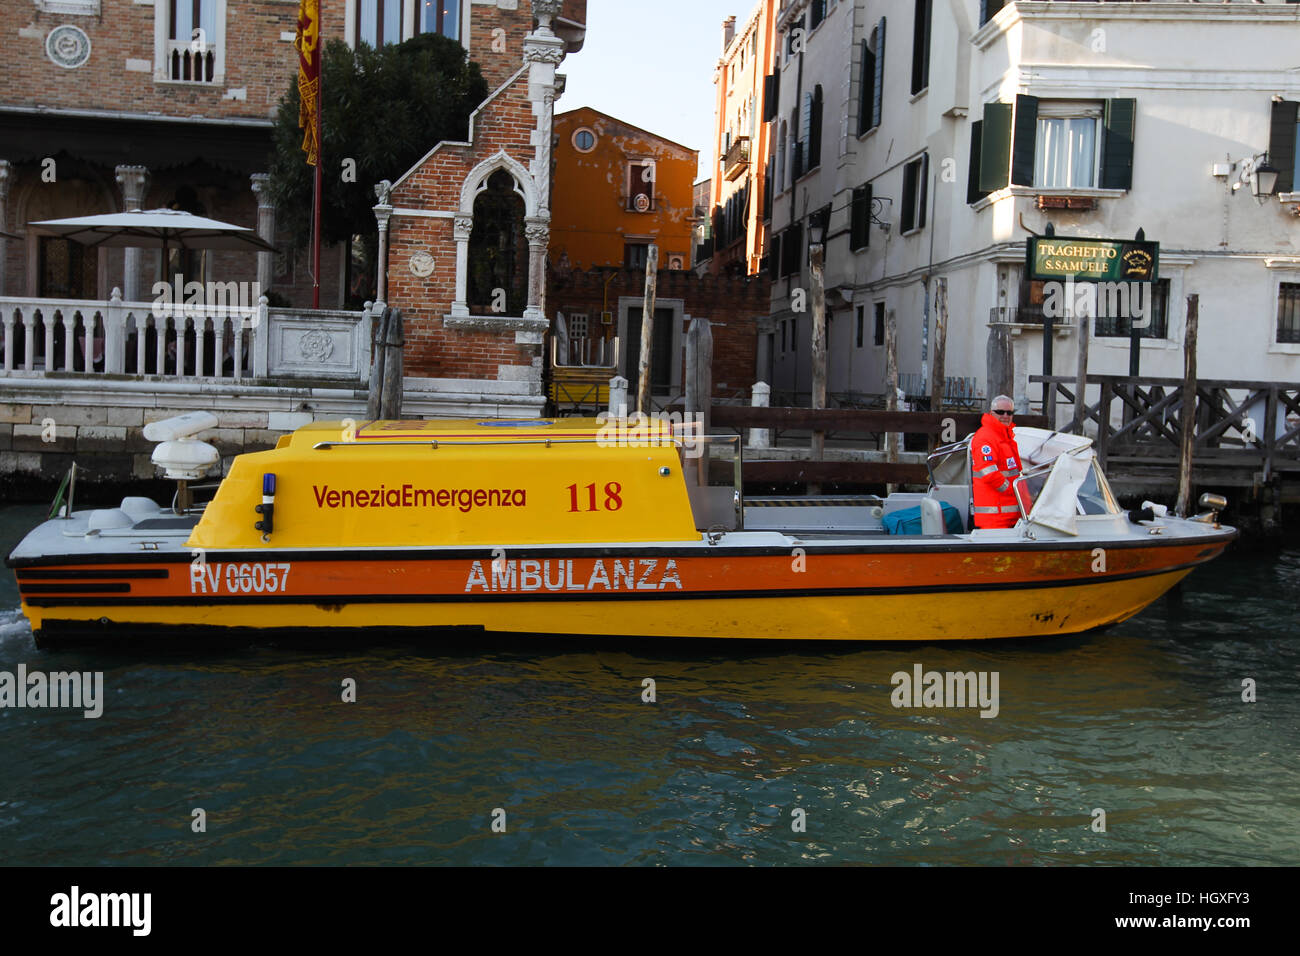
(585, 527)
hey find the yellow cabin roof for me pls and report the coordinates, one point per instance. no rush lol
(521, 430)
(457, 482)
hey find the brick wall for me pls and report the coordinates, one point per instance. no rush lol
(496, 40)
(505, 122)
(256, 60)
(731, 303)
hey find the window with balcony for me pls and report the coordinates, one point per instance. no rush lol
(441, 16)
(193, 40)
(1288, 312)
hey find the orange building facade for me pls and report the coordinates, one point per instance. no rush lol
(744, 81)
(618, 189)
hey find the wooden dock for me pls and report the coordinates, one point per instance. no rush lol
(1245, 434)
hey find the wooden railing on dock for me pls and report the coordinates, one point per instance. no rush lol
(1247, 425)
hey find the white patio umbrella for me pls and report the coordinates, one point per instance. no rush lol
(164, 229)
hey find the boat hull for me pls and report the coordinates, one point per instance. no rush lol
(922, 592)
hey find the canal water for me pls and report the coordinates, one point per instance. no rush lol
(750, 753)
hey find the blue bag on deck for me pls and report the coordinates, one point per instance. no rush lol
(908, 520)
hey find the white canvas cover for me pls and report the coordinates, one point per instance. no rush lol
(1039, 446)
(1057, 504)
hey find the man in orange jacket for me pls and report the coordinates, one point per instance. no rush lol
(995, 464)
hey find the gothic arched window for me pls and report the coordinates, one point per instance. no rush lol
(498, 250)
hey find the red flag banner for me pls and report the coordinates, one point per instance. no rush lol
(308, 46)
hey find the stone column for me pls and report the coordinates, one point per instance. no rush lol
(760, 398)
(538, 232)
(4, 220)
(462, 226)
(265, 229)
(383, 212)
(134, 181)
(543, 52)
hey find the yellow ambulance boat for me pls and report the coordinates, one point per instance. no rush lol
(587, 527)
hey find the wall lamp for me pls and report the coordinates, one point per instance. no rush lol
(1254, 172)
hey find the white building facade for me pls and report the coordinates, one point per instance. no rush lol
(934, 137)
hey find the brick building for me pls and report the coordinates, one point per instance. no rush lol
(608, 303)
(597, 226)
(745, 92)
(110, 105)
(618, 189)
(466, 229)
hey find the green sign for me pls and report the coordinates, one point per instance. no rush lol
(1092, 260)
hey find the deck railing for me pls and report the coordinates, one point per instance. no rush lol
(240, 343)
(1246, 424)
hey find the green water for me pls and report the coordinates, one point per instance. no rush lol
(1144, 721)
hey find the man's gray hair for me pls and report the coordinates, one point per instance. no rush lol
(1002, 398)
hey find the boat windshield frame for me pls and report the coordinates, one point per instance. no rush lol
(1023, 493)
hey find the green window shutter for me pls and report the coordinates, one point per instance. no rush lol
(805, 121)
(1023, 141)
(866, 91)
(878, 86)
(973, 192)
(815, 130)
(860, 222)
(1117, 144)
(925, 190)
(995, 147)
(1282, 144)
(907, 214)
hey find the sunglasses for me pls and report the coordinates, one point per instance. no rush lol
(1003, 411)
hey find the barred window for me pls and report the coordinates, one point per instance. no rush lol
(1117, 302)
(1288, 312)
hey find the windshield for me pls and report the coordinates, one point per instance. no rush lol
(1030, 485)
(1095, 496)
